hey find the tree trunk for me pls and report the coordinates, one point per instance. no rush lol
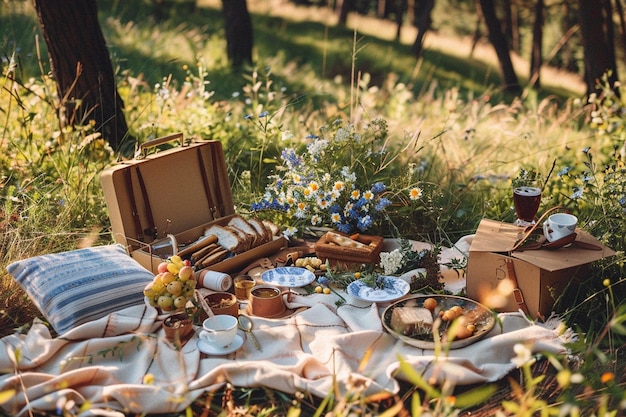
(401, 8)
(82, 68)
(511, 26)
(622, 20)
(498, 40)
(536, 55)
(238, 27)
(597, 37)
(345, 7)
(423, 21)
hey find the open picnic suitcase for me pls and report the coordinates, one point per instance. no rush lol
(160, 202)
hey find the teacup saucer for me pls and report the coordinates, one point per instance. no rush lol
(205, 347)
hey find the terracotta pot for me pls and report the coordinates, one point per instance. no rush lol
(223, 303)
(177, 327)
(267, 301)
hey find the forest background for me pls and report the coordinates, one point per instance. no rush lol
(471, 136)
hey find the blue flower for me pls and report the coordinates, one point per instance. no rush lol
(263, 114)
(564, 171)
(312, 136)
(292, 159)
(378, 188)
(382, 203)
(248, 116)
(323, 281)
(365, 222)
(344, 227)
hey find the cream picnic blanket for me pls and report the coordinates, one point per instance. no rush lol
(124, 363)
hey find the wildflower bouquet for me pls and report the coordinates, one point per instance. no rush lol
(334, 182)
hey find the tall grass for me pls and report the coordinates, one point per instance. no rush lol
(173, 77)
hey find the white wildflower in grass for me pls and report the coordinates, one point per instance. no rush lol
(523, 356)
(315, 220)
(348, 175)
(290, 231)
(316, 148)
(415, 193)
(286, 135)
(342, 135)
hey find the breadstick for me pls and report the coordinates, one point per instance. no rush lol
(196, 256)
(345, 241)
(197, 245)
(214, 258)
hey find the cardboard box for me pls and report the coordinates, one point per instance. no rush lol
(541, 275)
(172, 196)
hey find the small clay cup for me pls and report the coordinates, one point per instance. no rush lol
(177, 327)
(266, 301)
(223, 303)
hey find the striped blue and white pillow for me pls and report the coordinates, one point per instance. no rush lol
(75, 287)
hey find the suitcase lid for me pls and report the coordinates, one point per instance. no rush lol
(167, 192)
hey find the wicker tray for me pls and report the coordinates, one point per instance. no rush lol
(327, 250)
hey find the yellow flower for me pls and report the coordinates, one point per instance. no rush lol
(355, 194)
(301, 206)
(313, 186)
(368, 195)
(339, 186)
(335, 217)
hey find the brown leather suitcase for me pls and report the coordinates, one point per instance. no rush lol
(160, 202)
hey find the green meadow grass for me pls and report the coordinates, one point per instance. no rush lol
(470, 139)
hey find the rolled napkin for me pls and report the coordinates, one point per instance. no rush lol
(213, 280)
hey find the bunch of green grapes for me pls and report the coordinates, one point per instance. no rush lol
(173, 285)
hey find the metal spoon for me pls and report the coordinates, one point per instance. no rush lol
(245, 324)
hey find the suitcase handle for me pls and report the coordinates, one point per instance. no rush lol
(143, 147)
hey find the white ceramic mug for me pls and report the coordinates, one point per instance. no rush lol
(219, 330)
(559, 226)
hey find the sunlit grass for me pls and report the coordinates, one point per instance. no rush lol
(470, 142)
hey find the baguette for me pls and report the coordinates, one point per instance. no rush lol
(202, 253)
(198, 244)
(345, 241)
(214, 258)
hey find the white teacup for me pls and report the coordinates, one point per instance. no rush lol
(219, 330)
(559, 226)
